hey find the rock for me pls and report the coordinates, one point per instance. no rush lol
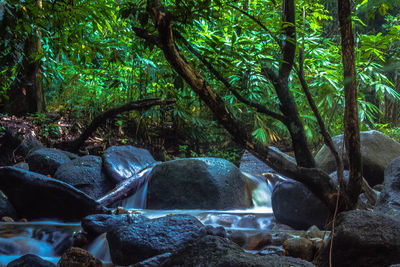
(36, 196)
(86, 174)
(363, 238)
(389, 199)
(30, 260)
(238, 237)
(22, 165)
(248, 221)
(217, 251)
(299, 248)
(259, 241)
(70, 155)
(274, 250)
(201, 183)
(227, 220)
(6, 208)
(154, 261)
(136, 242)
(279, 238)
(101, 223)
(46, 160)
(314, 232)
(7, 219)
(294, 205)
(218, 231)
(77, 257)
(121, 162)
(377, 150)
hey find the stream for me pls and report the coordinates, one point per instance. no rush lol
(48, 239)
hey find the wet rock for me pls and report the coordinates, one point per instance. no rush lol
(46, 160)
(389, 199)
(299, 248)
(22, 165)
(101, 223)
(271, 250)
(279, 238)
(274, 225)
(238, 237)
(30, 260)
(217, 251)
(121, 162)
(218, 231)
(363, 238)
(294, 205)
(314, 232)
(137, 242)
(154, 261)
(377, 150)
(259, 241)
(86, 174)
(201, 183)
(77, 257)
(70, 155)
(6, 208)
(36, 196)
(7, 219)
(226, 220)
(248, 221)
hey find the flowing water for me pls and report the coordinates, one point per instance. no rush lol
(49, 238)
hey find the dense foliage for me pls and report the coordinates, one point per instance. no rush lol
(91, 60)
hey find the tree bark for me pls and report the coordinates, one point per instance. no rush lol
(351, 123)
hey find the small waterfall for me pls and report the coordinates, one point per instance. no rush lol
(261, 193)
(138, 199)
(100, 249)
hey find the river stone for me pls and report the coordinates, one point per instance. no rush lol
(294, 205)
(136, 242)
(6, 208)
(101, 223)
(77, 257)
(22, 165)
(86, 174)
(389, 199)
(377, 150)
(30, 260)
(46, 160)
(363, 238)
(121, 162)
(36, 196)
(217, 251)
(197, 183)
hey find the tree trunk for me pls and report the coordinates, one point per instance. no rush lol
(351, 124)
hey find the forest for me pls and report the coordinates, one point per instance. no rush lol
(241, 133)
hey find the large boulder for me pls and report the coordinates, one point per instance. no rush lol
(30, 260)
(97, 224)
(46, 160)
(218, 251)
(6, 208)
(77, 257)
(136, 242)
(121, 162)
(86, 174)
(363, 238)
(377, 150)
(197, 183)
(36, 196)
(295, 205)
(389, 199)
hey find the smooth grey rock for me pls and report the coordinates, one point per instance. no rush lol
(46, 160)
(221, 252)
(85, 174)
(121, 162)
(377, 150)
(36, 196)
(363, 238)
(197, 183)
(137, 242)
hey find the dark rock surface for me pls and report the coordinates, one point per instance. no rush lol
(6, 208)
(46, 160)
(389, 199)
(77, 257)
(363, 238)
(22, 165)
(201, 183)
(294, 205)
(85, 174)
(137, 242)
(30, 260)
(377, 149)
(97, 224)
(35, 196)
(121, 162)
(217, 251)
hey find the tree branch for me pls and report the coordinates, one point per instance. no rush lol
(74, 145)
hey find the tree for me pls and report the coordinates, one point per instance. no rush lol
(165, 37)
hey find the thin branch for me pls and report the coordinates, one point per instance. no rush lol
(142, 33)
(235, 91)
